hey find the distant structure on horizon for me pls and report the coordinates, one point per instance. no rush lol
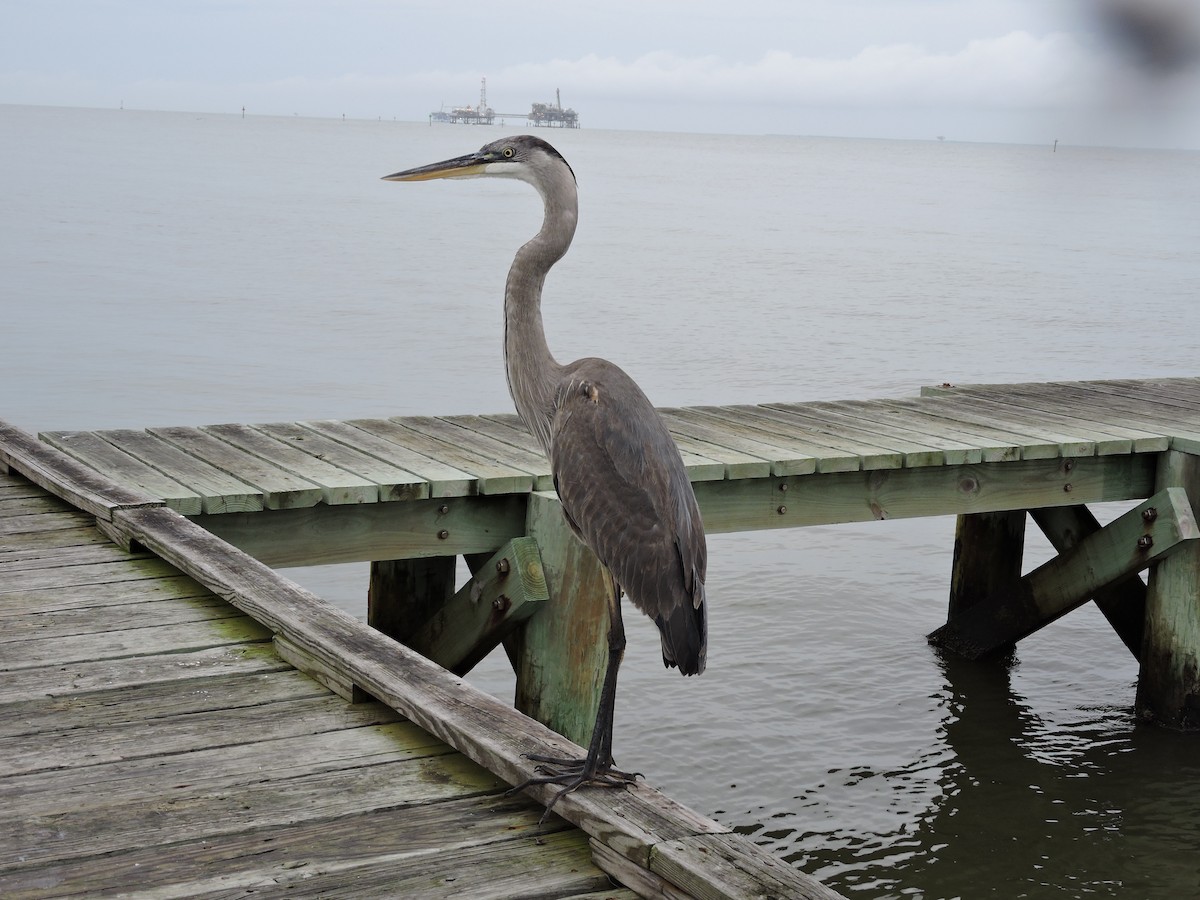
(540, 115)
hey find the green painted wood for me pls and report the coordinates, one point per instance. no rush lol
(1123, 603)
(337, 485)
(326, 535)
(510, 587)
(67, 478)
(560, 654)
(913, 452)
(936, 491)
(280, 489)
(781, 461)
(988, 549)
(92, 450)
(1127, 545)
(393, 482)
(378, 438)
(1169, 680)
(218, 490)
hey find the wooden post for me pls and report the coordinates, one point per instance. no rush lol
(1169, 681)
(560, 653)
(988, 548)
(405, 593)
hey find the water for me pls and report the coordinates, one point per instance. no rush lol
(171, 268)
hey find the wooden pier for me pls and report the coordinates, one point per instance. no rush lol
(163, 738)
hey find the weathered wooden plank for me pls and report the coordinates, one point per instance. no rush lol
(1169, 678)
(994, 446)
(148, 702)
(932, 491)
(84, 533)
(375, 437)
(718, 434)
(1054, 403)
(955, 452)
(92, 830)
(280, 489)
(145, 739)
(39, 522)
(24, 506)
(144, 587)
(58, 623)
(79, 485)
(337, 485)
(631, 820)
(491, 476)
(914, 452)
(1128, 544)
(721, 867)
(394, 482)
(28, 557)
(125, 569)
(92, 450)
(1020, 408)
(1038, 440)
(485, 446)
(218, 490)
(833, 453)
(804, 455)
(334, 534)
(109, 674)
(243, 862)
(114, 644)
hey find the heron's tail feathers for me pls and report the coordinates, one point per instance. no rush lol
(684, 633)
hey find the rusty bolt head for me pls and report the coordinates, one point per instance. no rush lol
(443, 534)
(1145, 542)
(781, 510)
(503, 566)
(443, 509)
(783, 487)
(1149, 515)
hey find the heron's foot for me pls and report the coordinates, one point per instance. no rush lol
(572, 774)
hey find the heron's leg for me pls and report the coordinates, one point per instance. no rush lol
(597, 767)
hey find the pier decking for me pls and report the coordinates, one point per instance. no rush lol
(222, 503)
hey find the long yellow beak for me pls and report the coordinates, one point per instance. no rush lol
(468, 166)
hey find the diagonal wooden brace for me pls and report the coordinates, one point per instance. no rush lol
(1149, 532)
(506, 590)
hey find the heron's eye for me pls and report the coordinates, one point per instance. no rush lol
(508, 152)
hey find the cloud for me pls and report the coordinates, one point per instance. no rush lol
(1017, 70)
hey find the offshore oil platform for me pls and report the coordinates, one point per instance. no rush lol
(540, 115)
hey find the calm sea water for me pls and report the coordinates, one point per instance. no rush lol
(172, 268)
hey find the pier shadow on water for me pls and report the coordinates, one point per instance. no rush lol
(1018, 806)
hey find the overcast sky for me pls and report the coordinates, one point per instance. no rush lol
(1003, 70)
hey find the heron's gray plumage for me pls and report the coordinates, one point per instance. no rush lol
(618, 473)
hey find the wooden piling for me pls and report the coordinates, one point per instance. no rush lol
(1168, 691)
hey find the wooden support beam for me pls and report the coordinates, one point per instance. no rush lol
(1145, 534)
(1123, 602)
(560, 654)
(1169, 682)
(509, 588)
(988, 548)
(406, 593)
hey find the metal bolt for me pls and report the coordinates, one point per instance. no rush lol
(1145, 542)
(781, 510)
(443, 534)
(503, 566)
(443, 509)
(1149, 515)
(783, 487)
(1068, 487)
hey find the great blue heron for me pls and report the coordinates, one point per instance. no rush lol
(618, 473)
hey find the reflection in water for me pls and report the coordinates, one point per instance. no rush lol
(1015, 806)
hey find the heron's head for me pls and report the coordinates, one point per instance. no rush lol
(524, 156)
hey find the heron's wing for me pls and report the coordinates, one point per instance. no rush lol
(626, 493)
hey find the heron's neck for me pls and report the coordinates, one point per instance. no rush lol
(532, 370)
